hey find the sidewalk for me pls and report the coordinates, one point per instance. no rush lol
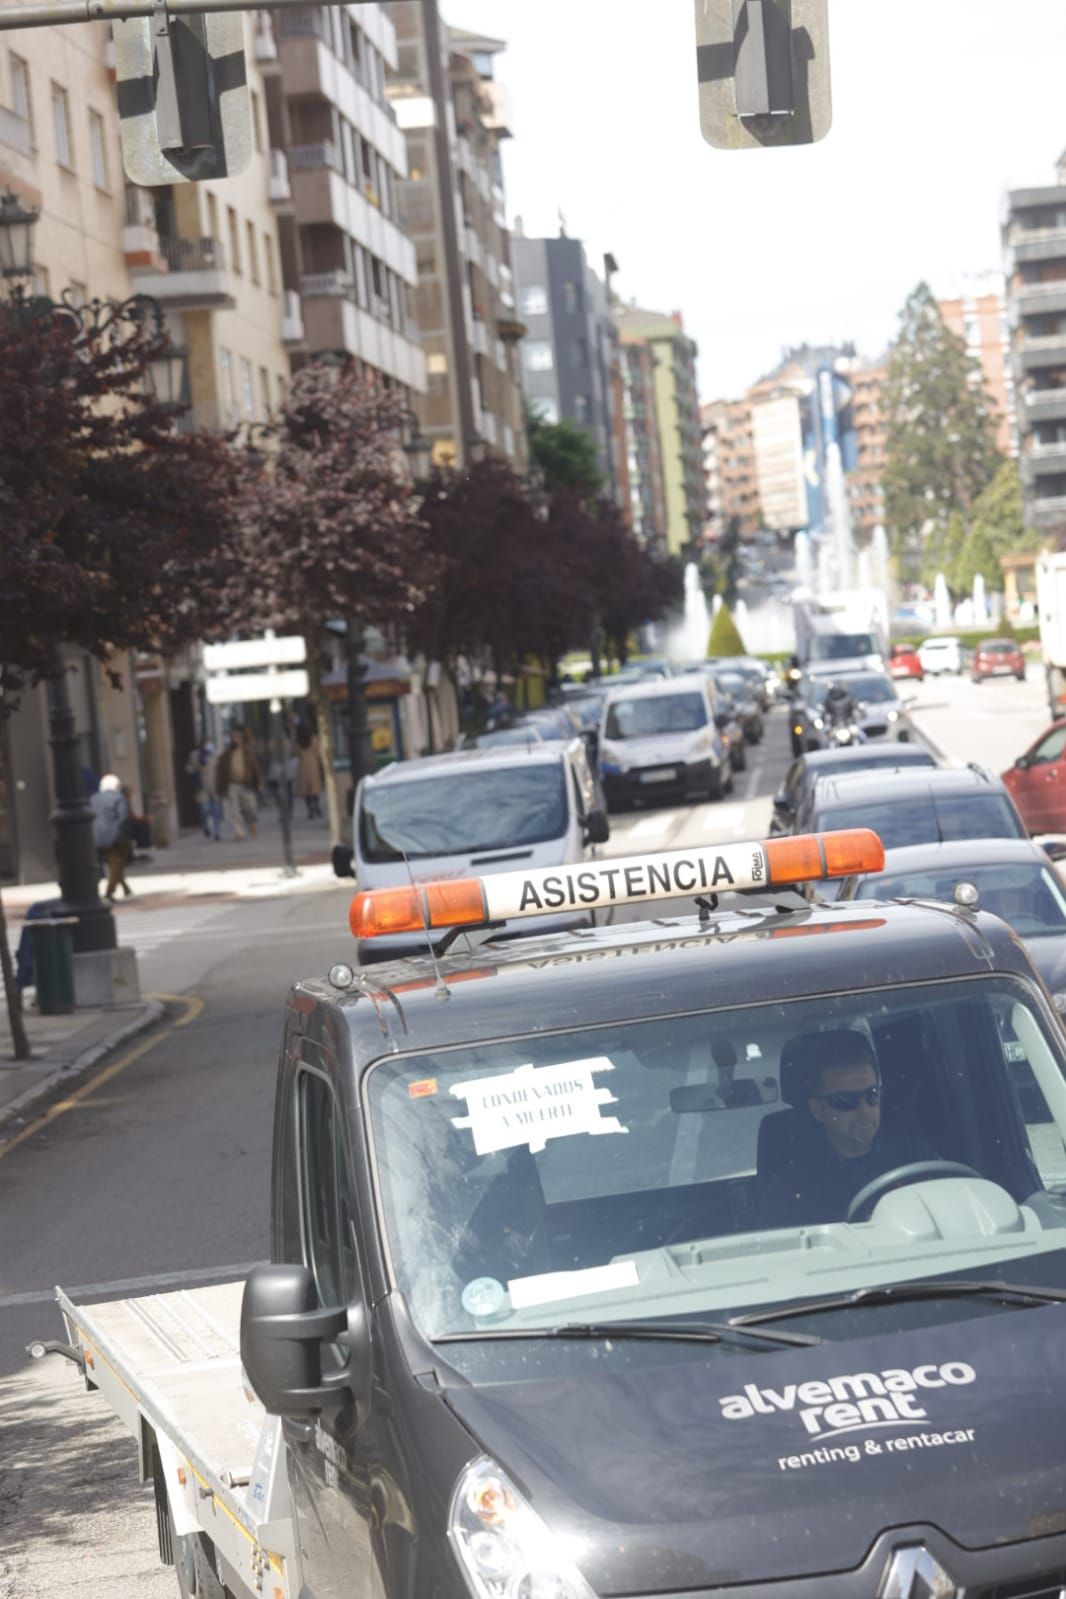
(63, 1047)
(196, 866)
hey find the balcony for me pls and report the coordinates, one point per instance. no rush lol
(327, 285)
(1036, 244)
(194, 276)
(266, 46)
(1045, 350)
(1033, 299)
(1044, 460)
(141, 247)
(1046, 511)
(311, 157)
(1044, 405)
(278, 187)
(292, 319)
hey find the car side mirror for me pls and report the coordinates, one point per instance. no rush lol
(1055, 849)
(783, 804)
(1023, 763)
(343, 857)
(284, 1336)
(597, 827)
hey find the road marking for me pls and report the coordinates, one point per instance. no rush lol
(135, 1285)
(754, 779)
(653, 826)
(194, 1007)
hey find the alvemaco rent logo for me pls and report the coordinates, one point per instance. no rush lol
(848, 1404)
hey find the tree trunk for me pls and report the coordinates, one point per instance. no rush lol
(325, 737)
(14, 997)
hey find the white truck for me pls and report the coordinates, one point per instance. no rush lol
(841, 631)
(1051, 609)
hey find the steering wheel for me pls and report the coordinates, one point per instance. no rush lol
(916, 1171)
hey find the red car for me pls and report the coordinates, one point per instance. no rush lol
(904, 661)
(1037, 782)
(999, 657)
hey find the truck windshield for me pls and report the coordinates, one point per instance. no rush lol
(463, 813)
(664, 713)
(841, 646)
(698, 1164)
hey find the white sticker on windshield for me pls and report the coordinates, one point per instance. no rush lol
(535, 1103)
(551, 1285)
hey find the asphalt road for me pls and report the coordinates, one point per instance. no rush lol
(163, 1166)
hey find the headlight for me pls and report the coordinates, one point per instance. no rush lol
(504, 1548)
(819, 722)
(612, 759)
(893, 716)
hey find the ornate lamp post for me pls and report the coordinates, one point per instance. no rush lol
(72, 818)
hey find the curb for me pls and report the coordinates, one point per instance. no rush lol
(149, 1012)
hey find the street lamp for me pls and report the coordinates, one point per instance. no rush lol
(72, 818)
(16, 237)
(418, 449)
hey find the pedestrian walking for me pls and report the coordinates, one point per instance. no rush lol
(238, 779)
(309, 774)
(202, 764)
(111, 833)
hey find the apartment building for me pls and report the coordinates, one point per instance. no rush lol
(641, 483)
(730, 466)
(569, 353)
(59, 154)
(677, 406)
(979, 317)
(866, 495)
(335, 159)
(453, 113)
(1034, 239)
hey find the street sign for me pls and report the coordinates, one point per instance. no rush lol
(289, 650)
(182, 87)
(233, 688)
(763, 69)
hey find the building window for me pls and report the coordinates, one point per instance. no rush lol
(264, 390)
(581, 409)
(253, 253)
(268, 260)
(234, 239)
(572, 296)
(78, 294)
(247, 392)
(538, 355)
(98, 149)
(229, 391)
(212, 217)
(546, 410)
(535, 300)
(61, 127)
(20, 88)
(257, 131)
(579, 354)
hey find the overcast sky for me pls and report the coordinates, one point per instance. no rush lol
(938, 107)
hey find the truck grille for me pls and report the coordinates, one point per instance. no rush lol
(1052, 1586)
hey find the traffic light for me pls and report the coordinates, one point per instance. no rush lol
(763, 68)
(182, 96)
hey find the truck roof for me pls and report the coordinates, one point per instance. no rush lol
(620, 973)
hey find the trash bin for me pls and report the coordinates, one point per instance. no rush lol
(53, 963)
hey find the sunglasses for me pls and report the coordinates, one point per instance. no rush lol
(852, 1098)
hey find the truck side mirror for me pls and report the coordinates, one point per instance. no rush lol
(283, 1331)
(783, 804)
(597, 827)
(342, 857)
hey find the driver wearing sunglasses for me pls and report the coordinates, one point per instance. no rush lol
(844, 1098)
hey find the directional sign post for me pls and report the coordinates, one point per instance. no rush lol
(234, 680)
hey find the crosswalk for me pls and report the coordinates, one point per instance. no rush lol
(149, 931)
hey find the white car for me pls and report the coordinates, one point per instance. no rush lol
(941, 654)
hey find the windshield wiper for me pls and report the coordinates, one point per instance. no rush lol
(901, 1293)
(692, 1332)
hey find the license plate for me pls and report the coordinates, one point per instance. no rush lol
(668, 776)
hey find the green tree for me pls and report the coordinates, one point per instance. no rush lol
(725, 636)
(719, 565)
(940, 430)
(565, 453)
(997, 528)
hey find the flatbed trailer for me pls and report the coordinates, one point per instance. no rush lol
(169, 1366)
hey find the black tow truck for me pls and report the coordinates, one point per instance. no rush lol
(560, 1305)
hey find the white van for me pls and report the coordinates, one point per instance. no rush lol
(663, 739)
(943, 654)
(470, 813)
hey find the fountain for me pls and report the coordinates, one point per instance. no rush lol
(865, 569)
(879, 557)
(941, 601)
(836, 490)
(980, 601)
(688, 640)
(802, 548)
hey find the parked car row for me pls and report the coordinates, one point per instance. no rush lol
(997, 657)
